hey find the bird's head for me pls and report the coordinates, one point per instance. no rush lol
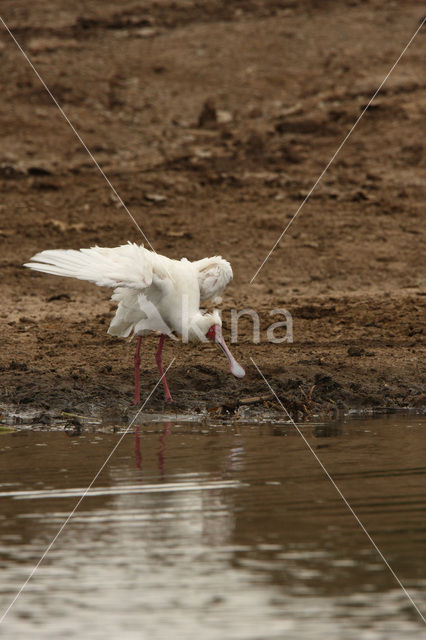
(215, 334)
(209, 325)
(200, 323)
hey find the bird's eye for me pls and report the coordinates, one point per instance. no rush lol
(211, 333)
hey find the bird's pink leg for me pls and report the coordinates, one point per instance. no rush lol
(138, 448)
(137, 361)
(167, 394)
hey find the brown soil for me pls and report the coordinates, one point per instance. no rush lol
(213, 119)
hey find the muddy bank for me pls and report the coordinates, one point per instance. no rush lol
(213, 148)
(343, 357)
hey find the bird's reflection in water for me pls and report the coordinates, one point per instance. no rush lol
(138, 452)
(161, 450)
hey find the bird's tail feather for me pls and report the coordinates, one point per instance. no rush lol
(123, 266)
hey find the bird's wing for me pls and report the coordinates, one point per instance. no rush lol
(214, 275)
(126, 266)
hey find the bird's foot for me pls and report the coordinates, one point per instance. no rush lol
(168, 398)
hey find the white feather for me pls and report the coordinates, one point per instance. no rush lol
(214, 274)
(154, 293)
(129, 265)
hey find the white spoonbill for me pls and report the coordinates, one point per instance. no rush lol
(154, 293)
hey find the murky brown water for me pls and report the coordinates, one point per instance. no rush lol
(215, 532)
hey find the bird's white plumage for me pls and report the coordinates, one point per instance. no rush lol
(214, 275)
(154, 293)
(129, 265)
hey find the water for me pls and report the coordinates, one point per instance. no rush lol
(215, 532)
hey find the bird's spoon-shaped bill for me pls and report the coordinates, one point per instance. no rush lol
(215, 333)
